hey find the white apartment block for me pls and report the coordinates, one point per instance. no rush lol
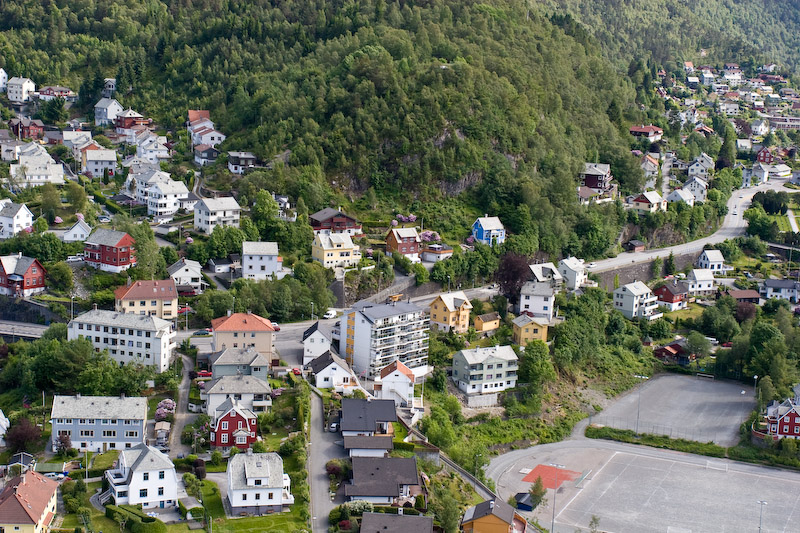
(485, 370)
(96, 162)
(212, 212)
(260, 260)
(164, 198)
(636, 300)
(3, 79)
(129, 338)
(35, 167)
(20, 90)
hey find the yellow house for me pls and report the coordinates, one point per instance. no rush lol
(528, 328)
(450, 311)
(244, 330)
(335, 250)
(151, 298)
(28, 503)
(488, 322)
(493, 516)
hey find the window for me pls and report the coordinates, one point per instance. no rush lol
(257, 482)
(244, 497)
(225, 425)
(146, 476)
(143, 493)
(109, 433)
(270, 496)
(131, 434)
(241, 440)
(160, 491)
(161, 474)
(90, 433)
(258, 496)
(224, 438)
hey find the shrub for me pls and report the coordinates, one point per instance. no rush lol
(345, 525)
(216, 458)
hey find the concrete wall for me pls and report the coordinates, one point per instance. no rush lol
(641, 271)
(482, 400)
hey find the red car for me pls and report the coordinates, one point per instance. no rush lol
(296, 371)
(727, 344)
(184, 310)
(204, 374)
(275, 326)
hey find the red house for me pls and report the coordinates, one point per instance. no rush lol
(25, 128)
(234, 426)
(21, 276)
(130, 118)
(109, 250)
(331, 220)
(673, 295)
(783, 419)
(765, 155)
(675, 353)
(650, 132)
(54, 91)
(404, 241)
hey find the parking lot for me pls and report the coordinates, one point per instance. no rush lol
(637, 489)
(683, 407)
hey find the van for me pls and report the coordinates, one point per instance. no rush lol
(713, 341)
(330, 313)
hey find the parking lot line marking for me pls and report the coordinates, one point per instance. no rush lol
(580, 489)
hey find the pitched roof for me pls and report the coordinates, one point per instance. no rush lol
(545, 272)
(676, 288)
(637, 288)
(714, 256)
(536, 288)
(220, 204)
(375, 312)
(587, 193)
(488, 317)
(103, 407)
(259, 248)
(163, 289)
(681, 195)
(10, 209)
(321, 362)
(651, 197)
(101, 155)
(490, 223)
(81, 224)
(25, 498)
(143, 458)
(780, 284)
(395, 523)
(364, 442)
(266, 466)
(454, 300)
(107, 237)
(475, 356)
(328, 213)
(742, 294)
(181, 263)
(646, 129)
(102, 317)
(382, 476)
(105, 103)
(327, 242)
(573, 263)
(363, 415)
(16, 264)
(197, 114)
(238, 356)
(596, 169)
(405, 233)
(399, 366)
(524, 319)
(701, 274)
(498, 508)
(238, 384)
(242, 322)
(233, 405)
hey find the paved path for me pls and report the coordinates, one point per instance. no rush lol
(182, 414)
(733, 225)
(323, 448)
(10, 328)
(792, 221)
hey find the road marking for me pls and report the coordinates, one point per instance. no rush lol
(563, 507)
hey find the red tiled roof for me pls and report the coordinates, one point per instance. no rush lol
(397, 365)
(242, 322)
(154, 290)
(25, 498)
(198, 114)
(646, 129)
(749, 293)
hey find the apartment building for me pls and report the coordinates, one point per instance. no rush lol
(152, 298)
(212, 212)
(99, 423)
(260, 260)
(636, 300)
(377, 334)
(129, 338)
(485, 370)
(335, 250)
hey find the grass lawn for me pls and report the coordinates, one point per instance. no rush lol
(273, 442)
(782, 221)
(105, 460)
(400, 431)
(99, 520)
(694, 311)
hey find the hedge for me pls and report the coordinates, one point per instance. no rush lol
(405, 446)
(138, 521)
(656, 441)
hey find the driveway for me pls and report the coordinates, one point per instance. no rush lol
(322, 449)
(182, 414)
(221, 479)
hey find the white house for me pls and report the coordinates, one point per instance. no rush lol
(712, 260)
(636, 300)
(106, 110)
(396, 383)
(546, 273)
(539, 299)
(239, 162)
(207, 135)
(701, 166)
(20, 90)
(4, 422)
(680, 195)
(331, 372)
(34, 167)
(784, 289)
(79, 232)
(212, 212)
(154, 149)
(759, 127)
(573, 270)
(140, 181)
(698, 187)
(188, 276)
(143, 476)
(257, 484)
(316, 341)
(701, 282)
(164, 199)
(3, 80)
(251, 392)
(485, 370)
(96, 162)
(260, 260)
(13, 218)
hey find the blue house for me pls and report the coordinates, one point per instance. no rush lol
(489, 230)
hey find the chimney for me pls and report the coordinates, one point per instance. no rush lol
(229, 312)
(78, 395)
(249, 451)
(20, 255)
(94, 306)
(122, 396)
(491, 504)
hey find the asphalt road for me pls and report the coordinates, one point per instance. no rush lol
(182, 414)
(9, 328)
(322, 448)
(734, 225)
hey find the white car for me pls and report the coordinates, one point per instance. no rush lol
(330, 313)
(592, 264)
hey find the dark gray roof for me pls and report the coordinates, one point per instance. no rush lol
(10, 209)
(678, 287)
(395, 523)
(325, 214)
(325, 360)
(378, 442)
(780, 283)
(363, 415)
(381, 476)
(374, 311)
(105, 237)
(498, 508)
(310, 331)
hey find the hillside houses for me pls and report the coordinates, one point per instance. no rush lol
(34, 168)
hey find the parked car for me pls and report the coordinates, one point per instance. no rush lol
(276, 326)
(330, 313)
(184, 310)
(104, 219)
(334, 427)
(297, 372)
(55, 475)
(727, 344)
(204, 374)
(202, 332)
(162, 449)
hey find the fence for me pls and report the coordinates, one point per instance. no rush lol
(697, 435)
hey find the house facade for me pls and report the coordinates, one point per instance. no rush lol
(784, 289)
(698, 187)
(251, 392)
(212, 212)
(527, 328)
(396, 383)
(205, 154)
(488, 230)
(240, 162)
(334, 250)
(260, 260)
(377, 334)
(21, 276)
(244, 330)
(152, 298)
(79, 232)
(382, 480)
(316, 341)
(648, 202)
(20, 90)
(110, 250)
(701, 282)
(28, 503)
(712, 260)
(258, 485)
(404, 241)
(129, 338)
(26, 128)
(493, 516)
(99, 423)
(680, 195)
(14, 218)
(164, 199)
(649, 132)
(98, 163)
(673, 296)
(485, 370)
(188, 276)
(238, 361)
(106, 111)
(234, 426)
(538, 299)
(598, 178)
(331, 220)
(450, 312)
(143, 476)
(574, 272)
(636, 300)
(487, 322)
(331, 372)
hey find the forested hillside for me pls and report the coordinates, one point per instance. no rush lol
(672, 31)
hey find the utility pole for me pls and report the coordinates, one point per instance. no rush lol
(555, 492)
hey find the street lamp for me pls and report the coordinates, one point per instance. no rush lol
(762, 503)
(555, 493)
(448, 283)
(755, 384)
